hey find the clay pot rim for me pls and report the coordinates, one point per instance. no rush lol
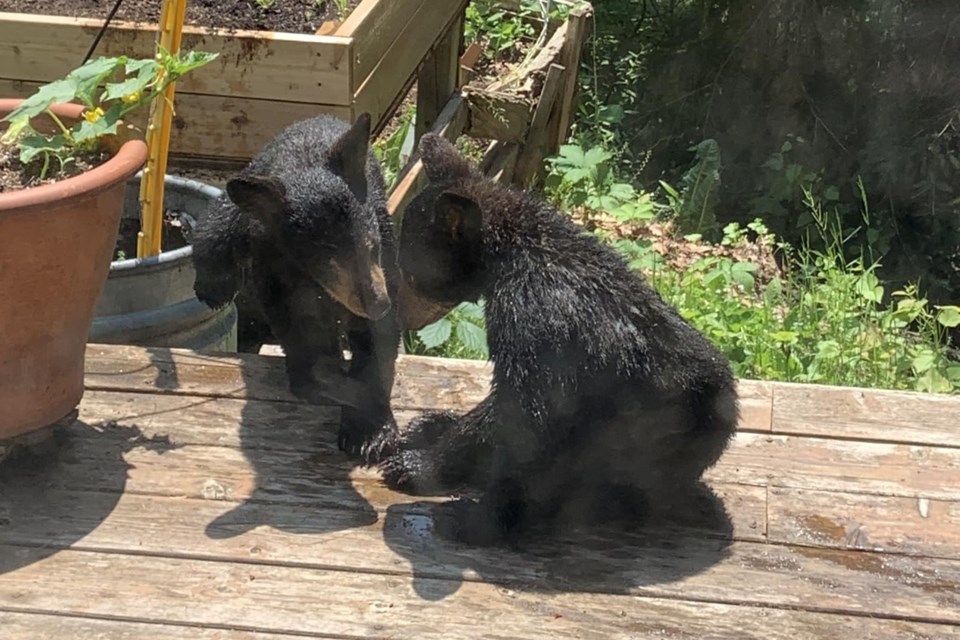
(128, 159)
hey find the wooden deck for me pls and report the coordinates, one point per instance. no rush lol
(195, 499)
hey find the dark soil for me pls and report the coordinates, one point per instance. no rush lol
(291, 16)
(14, 175)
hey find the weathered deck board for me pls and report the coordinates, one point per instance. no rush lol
(879, 523)
(30, 626)
(841, 465)
(660, 619)
(687, 567)
(222, 509)
(374, 605)
(890, 416)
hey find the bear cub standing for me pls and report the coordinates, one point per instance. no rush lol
(303, 232)
(605, 404)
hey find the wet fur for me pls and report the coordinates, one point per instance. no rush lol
(605, 404)
(303, 234)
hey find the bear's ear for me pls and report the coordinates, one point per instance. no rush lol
(441, 161)
(459, 218)
(263, 197)
(348, 156)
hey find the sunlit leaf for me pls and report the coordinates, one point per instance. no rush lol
(435, 334)
(472, 336)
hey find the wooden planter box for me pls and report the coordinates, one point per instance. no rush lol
(262, 82)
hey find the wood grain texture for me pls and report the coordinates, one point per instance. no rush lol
(917, 526)
(374, 27)
(266, 65)
(217, 126)
(437, 78)
(843, 582)
(384, 85)
(869, 414)
(422, 383)
(224, 510)
(362, 605)
(30, 626)
(884, 469)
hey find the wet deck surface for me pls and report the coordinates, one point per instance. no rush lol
(195, 499)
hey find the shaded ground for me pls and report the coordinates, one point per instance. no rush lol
(294, 16)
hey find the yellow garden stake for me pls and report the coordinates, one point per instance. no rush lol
(158, 139)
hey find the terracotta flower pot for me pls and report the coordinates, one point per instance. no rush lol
(56, 242)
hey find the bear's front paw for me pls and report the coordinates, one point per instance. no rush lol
(383, 444)
(411, 471)
(215, 291)
(365, 433)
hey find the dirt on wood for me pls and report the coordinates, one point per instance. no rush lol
(291, 16)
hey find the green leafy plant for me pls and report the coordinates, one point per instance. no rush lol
(502, 31)
(584, 177)
(701, 186)
(389, 150)
(461, 334)
(822, 320)
(109, 88)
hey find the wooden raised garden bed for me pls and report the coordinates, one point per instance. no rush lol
(263, 81)
(523, 116)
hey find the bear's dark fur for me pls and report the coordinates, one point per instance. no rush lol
(605, 404)
(303, 232)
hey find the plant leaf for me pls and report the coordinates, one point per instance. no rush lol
(56, 92)
(472, 336)
(435, 334)
(949, 316)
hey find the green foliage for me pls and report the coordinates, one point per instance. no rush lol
(461, 334)
(389, 150)
(137, 83)
(824, 320)
(584, 178)
(502, 31)
(701, 184)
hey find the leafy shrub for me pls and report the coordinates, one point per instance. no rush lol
(461, 334)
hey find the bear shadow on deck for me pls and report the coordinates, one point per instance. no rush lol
(588, 559)
(302, 482)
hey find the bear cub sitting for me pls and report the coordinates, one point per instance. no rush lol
(303, 232)
(605, 405)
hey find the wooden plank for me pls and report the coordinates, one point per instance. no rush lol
(869, 414)
(30, 626)
(385, 83)
(420, 382)
(255, 598)
(411, 180)
(841, 582)
(530, 164)
(570, 58)
(158, 455)
(438, 78)
(841, 465)
(875, 523)
(374, 27)
(497, 116)
(307, 534)
(300, 68)
(500, 160)
(217, 126)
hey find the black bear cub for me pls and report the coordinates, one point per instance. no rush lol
(605, 405)
(303, 231)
